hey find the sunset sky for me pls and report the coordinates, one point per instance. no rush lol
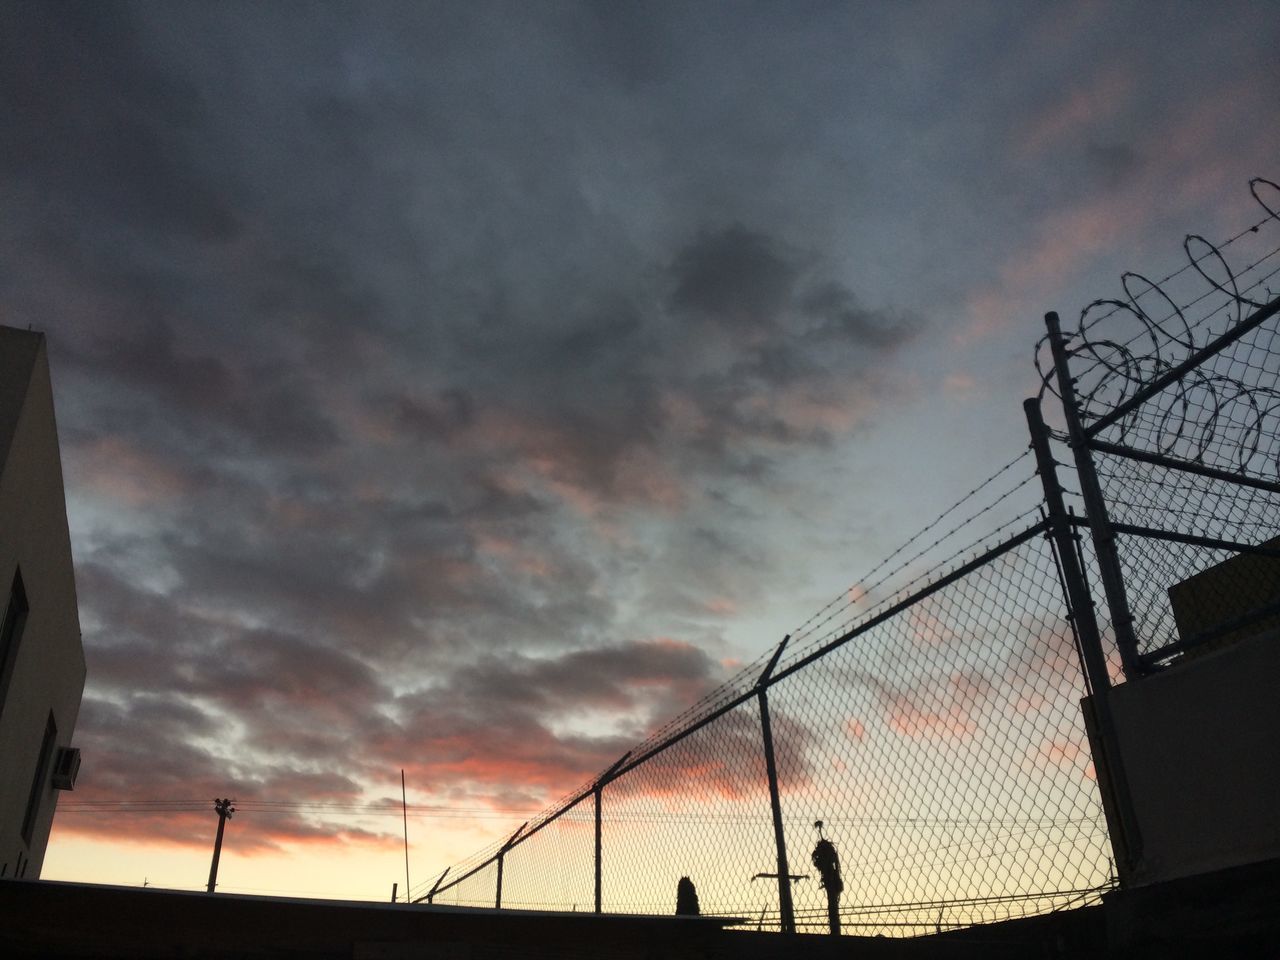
(468, 387)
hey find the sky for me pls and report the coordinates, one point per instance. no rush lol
(468, 388)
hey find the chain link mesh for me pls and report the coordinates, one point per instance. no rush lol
(1199, 458)
(944, 753)
(930, 720)
(942, 746)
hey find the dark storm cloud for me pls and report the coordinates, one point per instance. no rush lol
(614, 678)
(265, 404)
(93, 121)
(734, 276)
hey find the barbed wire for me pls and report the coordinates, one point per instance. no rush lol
(1115, 369)
(803, 630)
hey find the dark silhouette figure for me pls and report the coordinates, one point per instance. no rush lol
(687, 899)
(827, 862)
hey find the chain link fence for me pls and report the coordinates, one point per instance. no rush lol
(939, 741)
(1177, 413)
(928, 720)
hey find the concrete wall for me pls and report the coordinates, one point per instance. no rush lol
(1200, 743)
(48, 671)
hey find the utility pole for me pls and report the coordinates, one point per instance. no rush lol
(404, 809)
(224, 810)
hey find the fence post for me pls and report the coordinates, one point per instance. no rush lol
(1126, 839)
(502, 852)
(1095, 506)
(597, 791)
(785, 906)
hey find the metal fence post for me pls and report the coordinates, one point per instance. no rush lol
(1095, 505)
(599, 890)
(785, 906)
(598, 790)
(502, 853)
(1126, 838)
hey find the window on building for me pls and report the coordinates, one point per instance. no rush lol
(15, 618)
(41, 780)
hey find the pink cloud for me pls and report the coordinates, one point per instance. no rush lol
(1066, 755)
(939, 708)
(1071, 117)
(958, 384)
(1180, 174)
(116, 469)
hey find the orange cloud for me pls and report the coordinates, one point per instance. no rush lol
(251, 831)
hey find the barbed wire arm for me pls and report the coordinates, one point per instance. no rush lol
(434, 887)
(1177, 372)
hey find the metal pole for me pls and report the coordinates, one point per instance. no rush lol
(404, 809)
(1095, 505)
(597, 791)
(224, 810)
(497, 899)
(599, 891)
(779, 839)
(1094, 661)
(1126, 838)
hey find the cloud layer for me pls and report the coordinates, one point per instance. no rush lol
(434, 381)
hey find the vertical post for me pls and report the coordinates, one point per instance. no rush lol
(599, 898)
(779, 838)
(394, 889)
(1094, 661)
(404, 810)
(1095, 505)
(502, 852)
(1118, 805)
(598, 792)
(785, 906)
(224, 810)
(833, 912)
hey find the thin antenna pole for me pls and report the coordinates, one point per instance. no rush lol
(404, 809)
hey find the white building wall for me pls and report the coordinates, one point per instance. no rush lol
(47, 674)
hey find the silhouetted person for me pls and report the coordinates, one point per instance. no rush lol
(686, 899)
(827, 861)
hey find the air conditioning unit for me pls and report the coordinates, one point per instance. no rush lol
(65, 767)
